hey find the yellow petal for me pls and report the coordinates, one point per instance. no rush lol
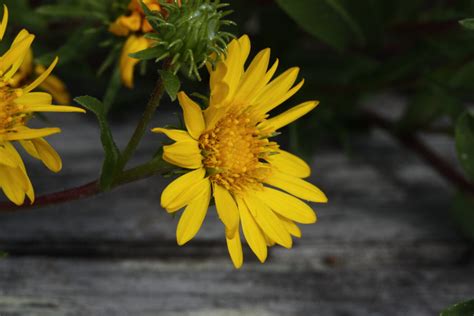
(52, 108)
(193, 117)
(185, 154)
(287, 206)
(296, 186)
(290, 226)
(28, 133)
(279, 86)
(226, 209)
(4, 23)
(252, 232)
(253, 79)
(33, 98)
(179, 191)
(42, 77)
(14, 184)
(193, 216)
(174, 134)
(6, 159)
(234, 246)
(15, 55)
(268, 222)
(48, 155)
(289, 164)
(127, 64)
(289, 116)
(267, 105)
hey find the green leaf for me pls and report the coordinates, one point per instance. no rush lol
(463, 214)
(465, 142)
(328, 20)
(460, 309)
(112, 153)
(171, 82)
(467, 23)
(149, 53)
(70, 11)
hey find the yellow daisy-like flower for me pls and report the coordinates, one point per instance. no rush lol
(17, 105)
(134, 26)
(227, 146)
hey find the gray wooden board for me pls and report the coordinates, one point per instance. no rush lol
(384, 245)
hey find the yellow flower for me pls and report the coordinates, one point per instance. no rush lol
(134, 26)
(227, 146)
(17, 105)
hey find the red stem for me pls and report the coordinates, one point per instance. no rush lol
(411, 141)
(77, 193)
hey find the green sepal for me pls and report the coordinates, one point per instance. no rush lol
(149, 53)
(112, 153)
(171, 82)
(70, 11)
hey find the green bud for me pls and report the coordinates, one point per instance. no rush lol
(187, 36)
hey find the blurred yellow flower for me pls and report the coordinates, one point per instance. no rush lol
(17, 105)
(228, 148)
(134, 26)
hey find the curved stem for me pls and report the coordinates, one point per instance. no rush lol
(414, 143)
(142, 125)
(144, 171)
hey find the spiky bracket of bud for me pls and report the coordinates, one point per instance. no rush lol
(187, 35)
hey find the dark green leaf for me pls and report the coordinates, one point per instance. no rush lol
(171, 82)
(69, 11)
(467, 23)
(465, 142)
(463, 214)
(69, 51)
(149, 53)
(461, 309)
(112, 153)
(328, 20)
(113, 88)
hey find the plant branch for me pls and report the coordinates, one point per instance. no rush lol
(142, 125)
(411, 141)
(156, 166)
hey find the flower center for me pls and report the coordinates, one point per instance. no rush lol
(234, 151)
(11, 114)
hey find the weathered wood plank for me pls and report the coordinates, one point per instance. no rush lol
(128, 287)
(384, 245)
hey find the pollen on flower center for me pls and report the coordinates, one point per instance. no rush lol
(233, 153)
(10, 113)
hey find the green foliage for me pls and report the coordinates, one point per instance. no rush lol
(112, 153)
(328, 20)
(463, 214)
(465, 142)
(467, 23)
(171, 83)
(460, 309)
